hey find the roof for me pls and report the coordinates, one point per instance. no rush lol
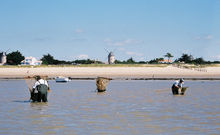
(165, 61)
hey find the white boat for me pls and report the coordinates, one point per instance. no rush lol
(62, 79)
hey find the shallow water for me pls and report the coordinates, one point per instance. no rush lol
(127, 107)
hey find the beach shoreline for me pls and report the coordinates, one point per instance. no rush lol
(135, 73)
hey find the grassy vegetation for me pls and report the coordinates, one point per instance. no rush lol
(114, 65)
(89, 65)
(123, 65)
(198, 66)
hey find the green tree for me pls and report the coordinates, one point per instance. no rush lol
(155, 61)
(88, 61)
(142, 62)
(186, 58)
(130, 61)
(48, 59)
(199, 61)
(14, 58)
(168, 55)
(118, 62)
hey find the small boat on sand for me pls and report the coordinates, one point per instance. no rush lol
(62, 79)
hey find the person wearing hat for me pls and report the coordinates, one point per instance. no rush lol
(39, 90)
(177, 85)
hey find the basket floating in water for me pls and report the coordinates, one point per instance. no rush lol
(101, 83)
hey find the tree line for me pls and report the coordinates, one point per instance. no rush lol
(15, 58)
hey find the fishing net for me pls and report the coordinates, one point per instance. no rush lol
(30, 80)
(179, 91)
(101, 83)
(183, 90)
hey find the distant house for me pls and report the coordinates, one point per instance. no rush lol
(31, 61)
(165, 61)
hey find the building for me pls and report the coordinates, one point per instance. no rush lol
(31, 61)
(3, 58)
(165, 61)
(111, 58)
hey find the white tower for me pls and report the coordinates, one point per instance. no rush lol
(111, 58)
(3, 58)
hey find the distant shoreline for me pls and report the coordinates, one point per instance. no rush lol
(191, 79)
(115, 72)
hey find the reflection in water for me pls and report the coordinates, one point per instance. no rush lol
(21, 101)
(39, 105)
(127, 107)
(101, 93)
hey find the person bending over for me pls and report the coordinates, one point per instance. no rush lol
(40, 90)
(177, 85)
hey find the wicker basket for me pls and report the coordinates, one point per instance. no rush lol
(101, 83)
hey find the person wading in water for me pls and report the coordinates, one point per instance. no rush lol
(177, 86)
(40, 90)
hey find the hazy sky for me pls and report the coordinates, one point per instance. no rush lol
(142, 29)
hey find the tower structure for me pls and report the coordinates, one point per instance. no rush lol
(111, 58)
(3, 58)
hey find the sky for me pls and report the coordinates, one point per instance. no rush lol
(81, 29)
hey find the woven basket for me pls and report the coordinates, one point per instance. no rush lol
(101, 83)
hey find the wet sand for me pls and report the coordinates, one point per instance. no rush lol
(168, 72)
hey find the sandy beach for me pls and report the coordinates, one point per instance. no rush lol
(113, 72)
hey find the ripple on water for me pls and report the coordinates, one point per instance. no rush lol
(127, 107)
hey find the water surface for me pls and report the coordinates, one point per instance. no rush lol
(127, 107)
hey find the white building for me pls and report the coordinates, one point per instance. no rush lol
(31, 61)
(111, 58)
(3, 58)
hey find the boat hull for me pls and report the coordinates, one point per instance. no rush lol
(62, 80)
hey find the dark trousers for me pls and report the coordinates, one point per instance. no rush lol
(175, 90)
(42, 97)
(39, 97)
(34, 96)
